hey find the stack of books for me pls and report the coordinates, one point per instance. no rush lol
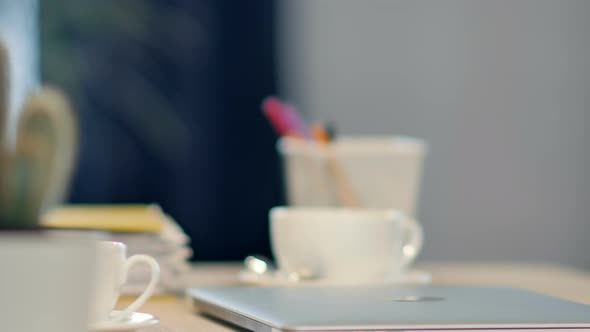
(145, 229)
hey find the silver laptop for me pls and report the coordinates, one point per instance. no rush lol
(424, 308)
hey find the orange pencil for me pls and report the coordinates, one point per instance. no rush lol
(344, 189)
(319, 133)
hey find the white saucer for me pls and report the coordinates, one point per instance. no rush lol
(412, 277)
(135, 321)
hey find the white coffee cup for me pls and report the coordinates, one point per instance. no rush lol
(343, 245)
(379, 172)
(45, 281)
(111, 271)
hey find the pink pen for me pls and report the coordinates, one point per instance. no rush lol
(273, 109)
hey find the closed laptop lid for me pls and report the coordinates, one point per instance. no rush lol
(389, 308)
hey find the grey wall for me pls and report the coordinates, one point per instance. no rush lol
(500, 89)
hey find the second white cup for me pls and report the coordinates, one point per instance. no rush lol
(343, 245)
(111, 270)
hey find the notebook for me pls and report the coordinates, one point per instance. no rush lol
(115, 218)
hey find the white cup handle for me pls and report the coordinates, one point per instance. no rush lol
(149, 290)
(414, 239)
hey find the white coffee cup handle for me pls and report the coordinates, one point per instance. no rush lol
(149, 290)
(414, 239)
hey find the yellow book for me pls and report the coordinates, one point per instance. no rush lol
(123, 218)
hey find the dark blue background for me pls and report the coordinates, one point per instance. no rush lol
(208, 157)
